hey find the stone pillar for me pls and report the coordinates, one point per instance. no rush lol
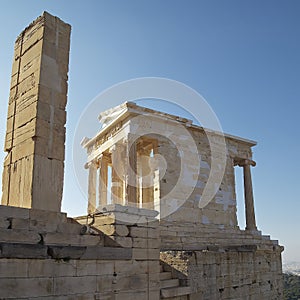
(92, 205)
(248, 191)
(131, 184)
(103, 176)
(117, 175)
(35, 135)
(147, 175)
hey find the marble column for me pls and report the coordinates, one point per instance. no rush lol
(103, 178)
(92, 187)
(249, 201)
(146, 178)
(131, 183)
(117, 176)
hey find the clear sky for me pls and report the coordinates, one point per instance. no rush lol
(242, 56)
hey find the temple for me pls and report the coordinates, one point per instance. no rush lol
(142, 165)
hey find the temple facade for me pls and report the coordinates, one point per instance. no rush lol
(149, 159)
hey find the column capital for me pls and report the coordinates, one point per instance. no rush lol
(93, 163)
(241, 162)
(104, 156)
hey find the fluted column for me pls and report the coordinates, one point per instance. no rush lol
(103, 178)
(146, 178)
(248, 192)
(117, 175)
(249, 201)
(92, 187)
(131, 183)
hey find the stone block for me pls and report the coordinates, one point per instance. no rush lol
(50, 76)
(53, 98)
(20, 288)
(51, 181)
(13, 268)
(122, 230)
(86, 268)
(112, 229)
(13, 250)
(106, 267)
(46, 221)
(118, 241)
(27, 84)
(154, 294)
(23, 133)
(145, 254)
(14, 212)
(146, 243)
(132, 267)
(52, 149)
(74, 285)
(144, 232)
(22, 224)
(138, 294)
(23, 150)
(51, 268)
(129, 210)
(45, 129)
(31, 36)
(31, 61)
(131, 283)
(19, 236)
(71, 239)
(25, 101)
(106, 229)
(105, 283)
(66, 252)
(70, 228)
(19, 180)
(151, 223)
(51, 114)
(107, 253)
(104, 220)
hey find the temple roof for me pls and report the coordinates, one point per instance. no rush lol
(113, 115)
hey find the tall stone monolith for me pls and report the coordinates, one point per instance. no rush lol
(35, 135)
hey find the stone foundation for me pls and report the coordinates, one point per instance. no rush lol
(49, 256)
(233, 273)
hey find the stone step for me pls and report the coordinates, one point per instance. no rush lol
(19, 236)
(165, 275)
(169, 283)
(72, 239)
(175, 292)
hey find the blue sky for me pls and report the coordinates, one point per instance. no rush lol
(243, 57)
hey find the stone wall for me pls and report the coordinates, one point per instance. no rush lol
(45, 255)
(234, 273)
(35, 135)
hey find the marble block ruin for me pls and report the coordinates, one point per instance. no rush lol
(35, 133)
